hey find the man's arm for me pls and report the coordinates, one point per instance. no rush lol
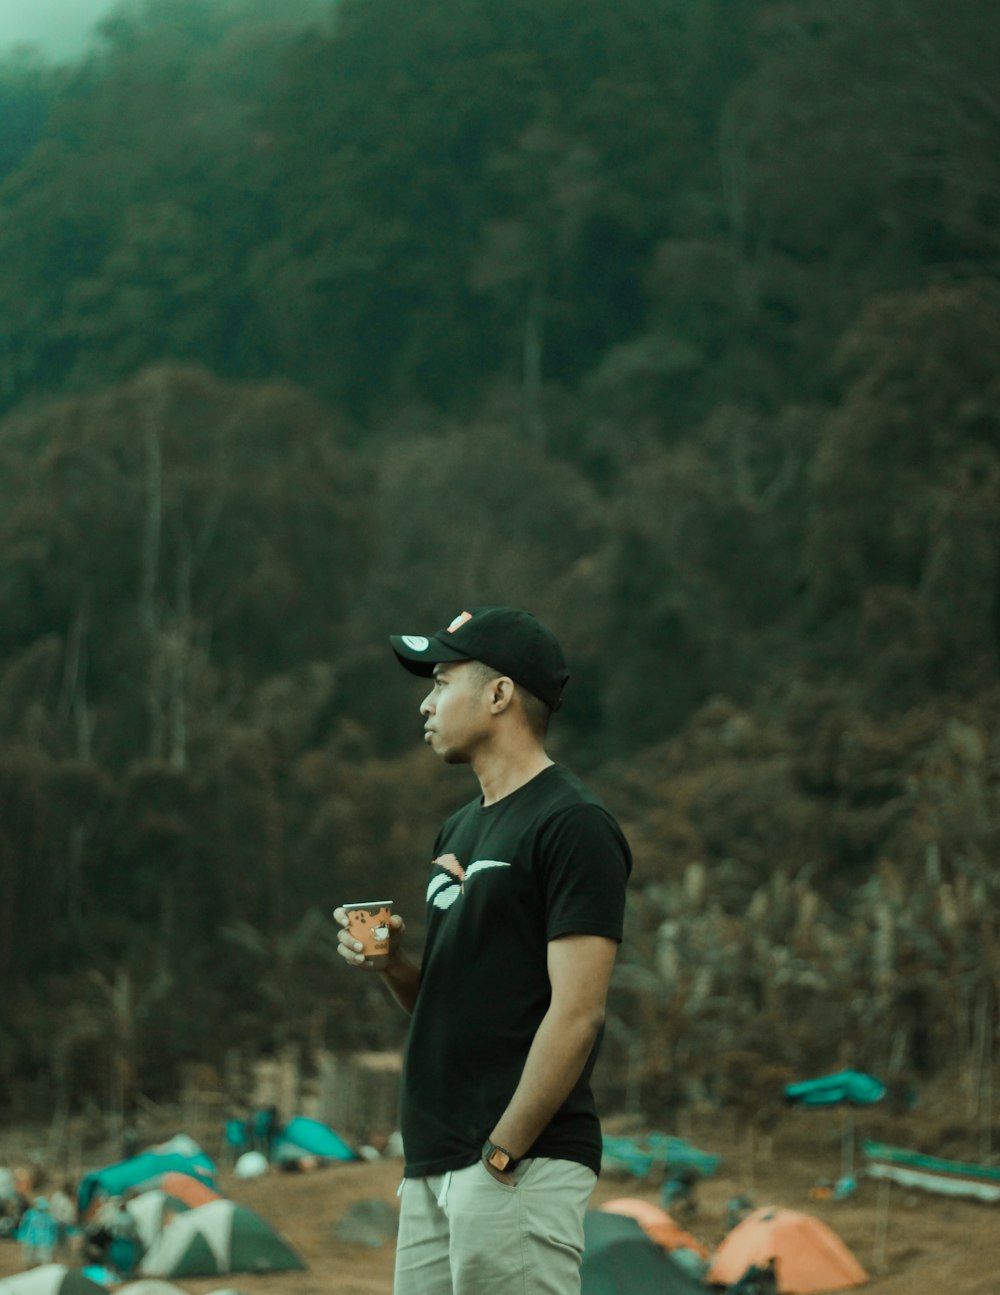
(579, 969)
(400, 976)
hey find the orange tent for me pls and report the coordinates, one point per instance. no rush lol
(187, 1188)
(656, 1223)
(807, 1255)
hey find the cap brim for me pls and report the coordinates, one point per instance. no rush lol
(421, 660)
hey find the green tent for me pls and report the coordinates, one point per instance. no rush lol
(620, 1259)
(221, 1237)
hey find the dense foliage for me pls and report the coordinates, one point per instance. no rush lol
(674, 320)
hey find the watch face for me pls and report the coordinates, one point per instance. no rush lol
(498, 1159)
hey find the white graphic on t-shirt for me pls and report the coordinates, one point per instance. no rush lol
(437, 882)
(482, 864)
(445, 888)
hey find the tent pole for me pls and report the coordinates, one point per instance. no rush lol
(847, 1145)
(881, 1225)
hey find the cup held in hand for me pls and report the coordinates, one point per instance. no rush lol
(369, 925)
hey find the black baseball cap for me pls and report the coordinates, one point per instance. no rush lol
(511, 641)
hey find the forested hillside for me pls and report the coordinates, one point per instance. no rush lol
(676, 321)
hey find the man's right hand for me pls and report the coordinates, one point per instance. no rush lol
(351, 950)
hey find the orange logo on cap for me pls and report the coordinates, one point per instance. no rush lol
(459, 621)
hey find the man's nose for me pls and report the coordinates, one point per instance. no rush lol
(427, 705)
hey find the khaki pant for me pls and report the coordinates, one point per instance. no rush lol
(464, 1233)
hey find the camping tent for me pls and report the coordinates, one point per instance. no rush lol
(221, 1237)
(850, 1087)
(179, 1145)
(50, 1279)
(620, 1259)
(637, 1157)
(656, 1223)
(192, 1191)
(808, 1255)
(304, 1137)
(146, 1170)
(251, 1164)
(149, 1286)
(152, 1211)
(947, 1177)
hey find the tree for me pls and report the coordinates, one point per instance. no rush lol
(904, 485)
(27, 90)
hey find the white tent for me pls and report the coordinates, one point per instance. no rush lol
(179, 1145)
(221, 1237)
(251, 1164)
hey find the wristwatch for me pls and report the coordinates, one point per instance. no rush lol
(498, 1158)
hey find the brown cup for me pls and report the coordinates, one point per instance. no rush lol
(369, 924)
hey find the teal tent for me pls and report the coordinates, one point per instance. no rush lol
(947, 1177)
(304, 1137)
(846, 1087)
(620, 1259)
(144, 1170)
(637, 1156)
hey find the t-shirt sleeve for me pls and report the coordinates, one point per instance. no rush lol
(585, 863)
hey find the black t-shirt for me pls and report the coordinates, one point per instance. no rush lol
(546, 861)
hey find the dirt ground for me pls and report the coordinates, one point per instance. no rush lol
(933, 1244)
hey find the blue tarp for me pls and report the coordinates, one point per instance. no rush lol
(847, 1087)
(113, 1180)
(304, 1137)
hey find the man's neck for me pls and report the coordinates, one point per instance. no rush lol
(502, 772)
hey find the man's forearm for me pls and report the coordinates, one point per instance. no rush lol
(402, 978)
(555, 1062)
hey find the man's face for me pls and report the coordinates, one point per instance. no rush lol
(456, 712)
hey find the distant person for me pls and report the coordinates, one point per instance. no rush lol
(10, 1206)
(525, 904)
(37, 1234)
(63, 1210)
(130, 1142)
(265, 1129)
(757, 1280)
(737, 1209)
(124, 1249)
(679, 1193)
(238, 1137)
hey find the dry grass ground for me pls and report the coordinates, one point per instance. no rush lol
(933, 1243)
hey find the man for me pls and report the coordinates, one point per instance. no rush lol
(525, 906)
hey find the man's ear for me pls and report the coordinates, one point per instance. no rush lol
(502, 694)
